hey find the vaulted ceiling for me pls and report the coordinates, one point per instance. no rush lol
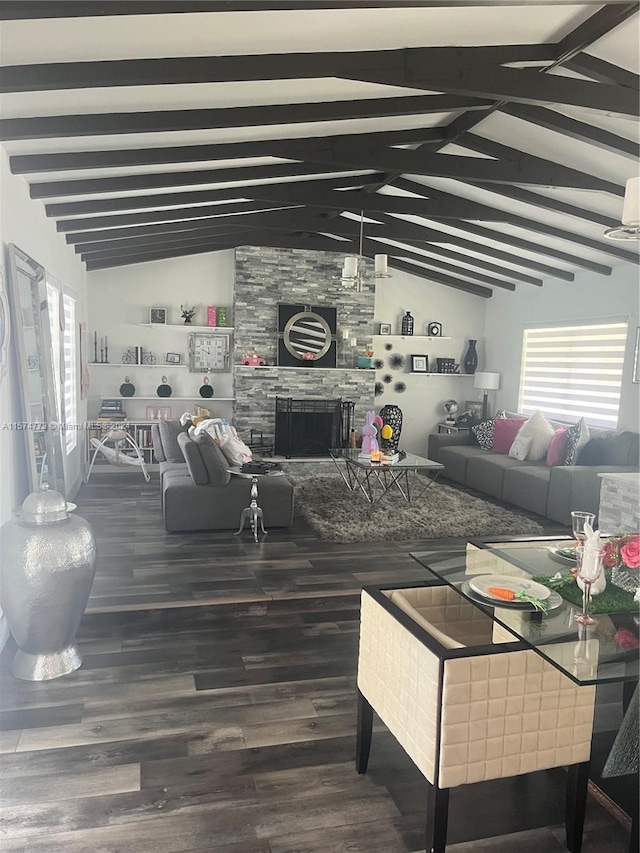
(485, 144)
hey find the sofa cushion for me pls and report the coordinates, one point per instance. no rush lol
(169, 432)
(557, 448)
(578, 436)
(194, 460)
(486, 472)
(527, 487)
(455, 461)
(505, 431)
(540, 431)
(213, 460)
(610, 448)
(158, 452)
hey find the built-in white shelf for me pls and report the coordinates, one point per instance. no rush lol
(188, 327)
(419, 337)
(290, 367)
(168, 399)
(448, 375)
(167, 367)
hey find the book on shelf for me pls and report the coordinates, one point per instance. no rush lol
(111, 405)
(110, 417)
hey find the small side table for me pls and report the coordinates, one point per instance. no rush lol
(453, 429)
(253, 512)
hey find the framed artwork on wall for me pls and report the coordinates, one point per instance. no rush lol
(172, 358)
(158, 316)
(385, 329)
(306, 335)
(419, 363)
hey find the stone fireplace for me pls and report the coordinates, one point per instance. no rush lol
(266, 277)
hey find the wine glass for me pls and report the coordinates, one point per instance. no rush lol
(578, 521)
(589, 570)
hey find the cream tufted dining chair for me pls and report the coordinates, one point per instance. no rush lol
(465, 702)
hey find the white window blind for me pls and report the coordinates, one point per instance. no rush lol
(575, 371)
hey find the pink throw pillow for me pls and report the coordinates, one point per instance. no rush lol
(504, 433)
(558, 447)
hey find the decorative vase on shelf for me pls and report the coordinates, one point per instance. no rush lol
(407, 324)
(471, 358)
(48, 564)
(164, 389)
(206, 390)
(127, 389)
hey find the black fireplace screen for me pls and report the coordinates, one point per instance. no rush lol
(311, 427)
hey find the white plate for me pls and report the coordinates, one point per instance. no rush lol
(565, 555)
(482, 583)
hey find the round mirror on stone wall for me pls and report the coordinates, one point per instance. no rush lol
(307, 336)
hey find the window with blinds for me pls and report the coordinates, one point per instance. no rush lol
(569, 372)
(62, 322)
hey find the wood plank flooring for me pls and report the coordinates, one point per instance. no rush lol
(215, 709)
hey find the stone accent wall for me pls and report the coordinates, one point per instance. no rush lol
(256, 390)
(619, 504)
(266, 276)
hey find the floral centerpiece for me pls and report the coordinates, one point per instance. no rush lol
(622, 556)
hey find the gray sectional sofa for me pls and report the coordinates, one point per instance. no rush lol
(548, 491)
(198, 492)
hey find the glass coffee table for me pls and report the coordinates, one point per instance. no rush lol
(376, 479)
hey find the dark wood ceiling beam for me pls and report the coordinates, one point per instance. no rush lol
(528, 246)
(428, 275)
(198, 197)
(392, 229)
(551, 120)
(22, 164)
(526, 170)
(132, 242)
(529, 224)
(237, 68)
(602, 71)
(530, 87)
(128, 260)
(13, 10)
(129, 183)
(163, 121)
(373, 247)
(595, 27)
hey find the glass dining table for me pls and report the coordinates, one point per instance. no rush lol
(587, 654)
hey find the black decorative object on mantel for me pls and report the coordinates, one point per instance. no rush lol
(391, 415)
(206, 390)
(164, 390)
(471, 358)
(127, 389)
(407, 324)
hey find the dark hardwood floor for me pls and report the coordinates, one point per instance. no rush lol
(215, 709)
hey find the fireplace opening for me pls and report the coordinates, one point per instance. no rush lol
(311, 427)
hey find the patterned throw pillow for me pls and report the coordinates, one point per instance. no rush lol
(483, 432)
(577, 437)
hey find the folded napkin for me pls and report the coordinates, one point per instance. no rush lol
(592, 547)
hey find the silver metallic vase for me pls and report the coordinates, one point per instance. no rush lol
(48, 565)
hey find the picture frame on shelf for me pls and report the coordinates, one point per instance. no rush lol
(385, 329)
(475, 409)
(158, 316)
(159, 413)
(419, 364)
(173, 358)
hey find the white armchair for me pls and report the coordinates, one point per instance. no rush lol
(464, 704)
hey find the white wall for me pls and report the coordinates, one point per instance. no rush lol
(119, 300)
(23, 222)
(589, 297)
(462, 317)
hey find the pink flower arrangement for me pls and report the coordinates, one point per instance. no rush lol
(622, 552)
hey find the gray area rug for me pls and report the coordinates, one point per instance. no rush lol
(338, 515)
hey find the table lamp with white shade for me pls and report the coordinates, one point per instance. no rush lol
(487, 382)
